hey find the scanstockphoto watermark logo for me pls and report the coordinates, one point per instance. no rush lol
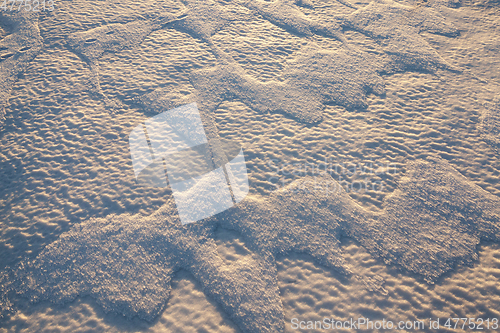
(362, 324)
(351, 177)
(425, 325)
(171, 149)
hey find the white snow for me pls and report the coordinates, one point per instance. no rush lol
(432, 223)
(17, 50)
(490, 123)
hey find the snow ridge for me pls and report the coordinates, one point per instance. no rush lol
(394, 26)
(284, 14)
(430, 224)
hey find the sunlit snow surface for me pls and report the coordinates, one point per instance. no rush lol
(431, 223)
(17, 50)
(121, 244)
(490, 123)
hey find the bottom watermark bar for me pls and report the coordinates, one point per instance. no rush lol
(362, 323)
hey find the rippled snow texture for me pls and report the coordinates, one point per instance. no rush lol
(64, 159)
(17, 50)
(490, 123)
(432, 223)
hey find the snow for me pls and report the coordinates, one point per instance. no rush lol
(396, 28)
(342, 77)
(490, 123)
(287, 16)
(17, 50)
(432, 223)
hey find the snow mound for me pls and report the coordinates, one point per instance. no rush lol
(286, 15)
(343, 76)
(432, 223)
(396, 28)
(17, 50)
(127, 261)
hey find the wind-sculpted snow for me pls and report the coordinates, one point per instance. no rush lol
(437, 4)
(396, 28)
(313, 79)
(205, 18)
(92, 44)
(309, 216)
(432, 223)
(126, 262)
(17, 50)
(201, 19)
(284, 14)
(342, 77)
(229, 81)
(490, 124)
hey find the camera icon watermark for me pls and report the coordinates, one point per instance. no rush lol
(171, 149)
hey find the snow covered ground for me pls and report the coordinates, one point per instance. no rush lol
(410, 85)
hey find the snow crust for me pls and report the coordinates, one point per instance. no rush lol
(396, 28)
(430, 224)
